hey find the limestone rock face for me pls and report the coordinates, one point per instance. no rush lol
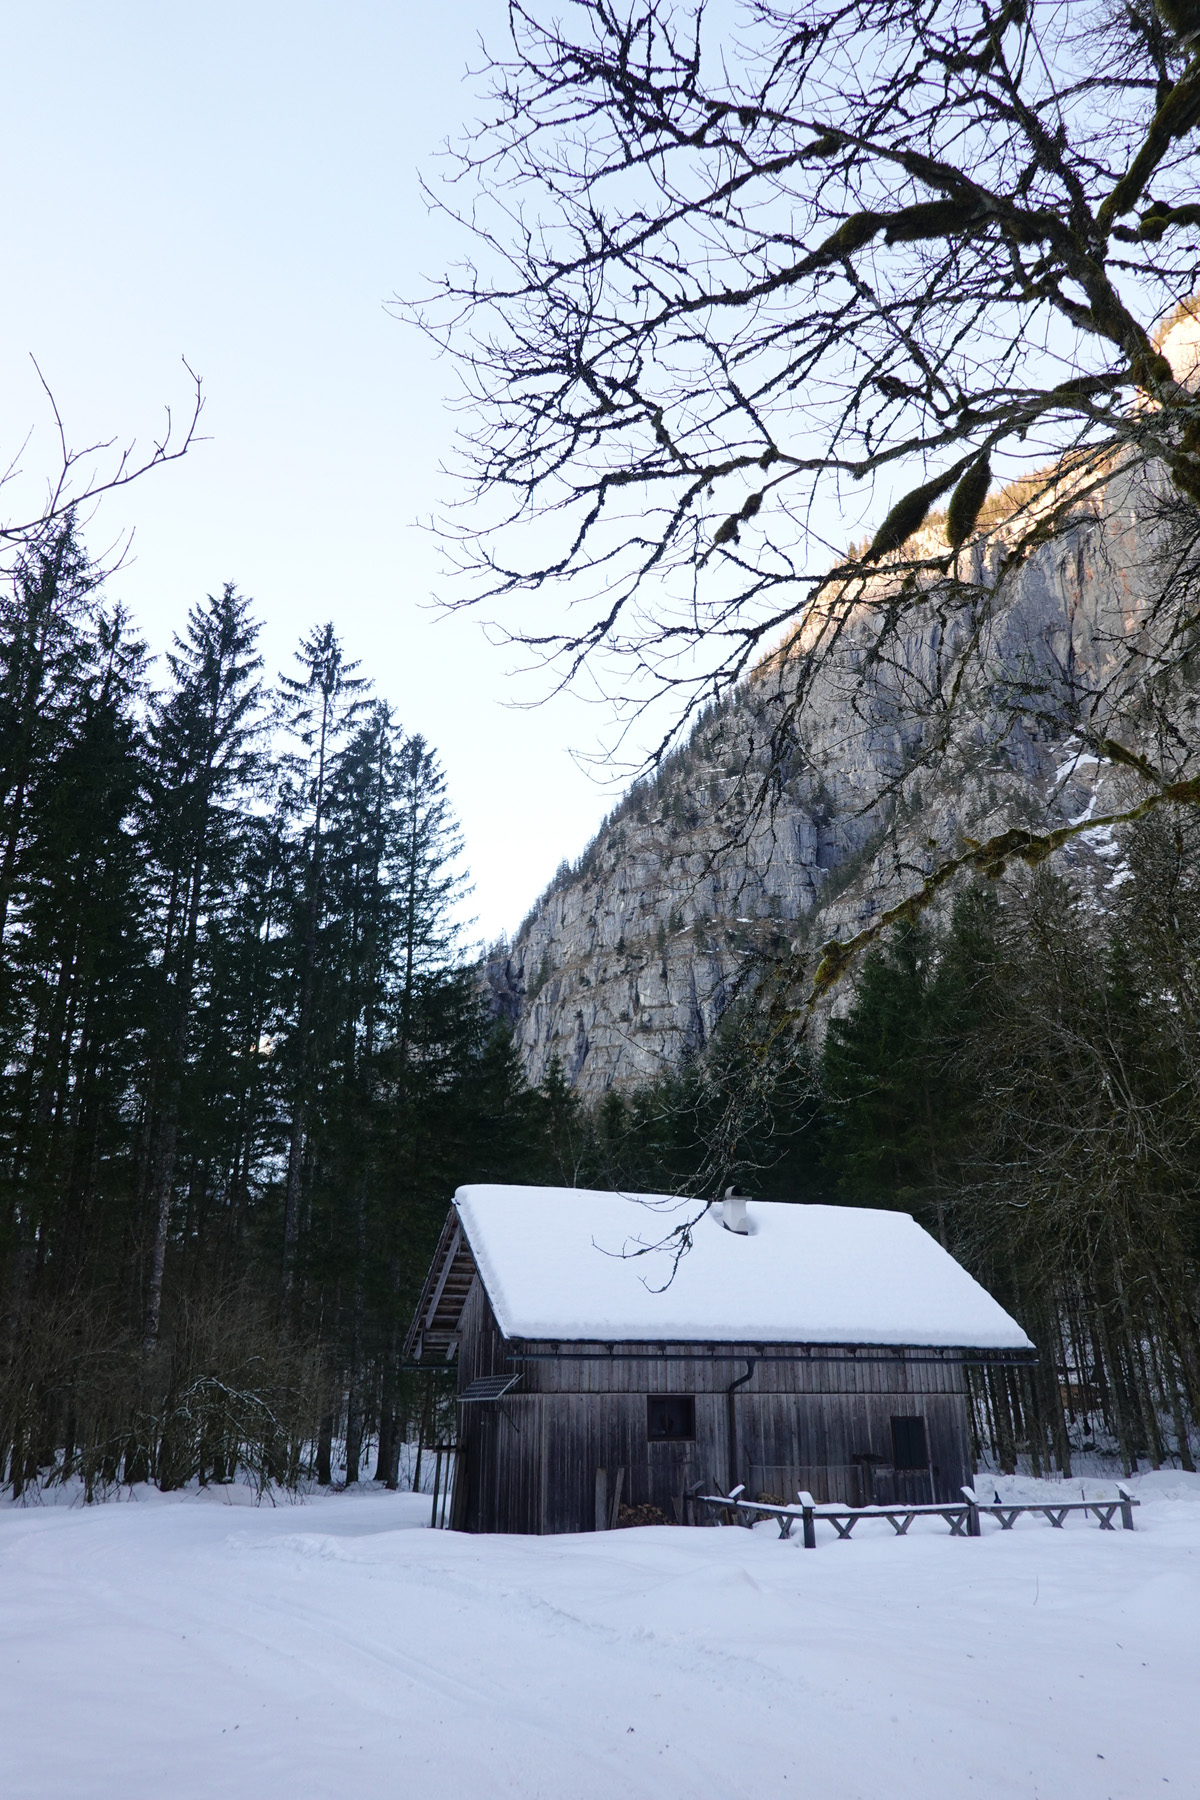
(763, 835)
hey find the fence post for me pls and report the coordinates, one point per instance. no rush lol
(1126, 1508)
(806, 1514)
(972, 1500)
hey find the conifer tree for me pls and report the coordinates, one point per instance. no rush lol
(364, 827)
(894, 1104)
(44, 644)
(428, 886)
(397, 1031)
(321, 706)
(78, 962)
(204, 761)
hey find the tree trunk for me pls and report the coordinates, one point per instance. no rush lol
(391, 1467)
(291, 1204)
(291, 1209)
(161, 1191)
(325, 1452)
(386, 1432)
(163, 1182)
(354, 1432)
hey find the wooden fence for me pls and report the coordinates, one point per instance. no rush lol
(963, 1517)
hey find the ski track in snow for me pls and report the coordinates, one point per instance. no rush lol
(184, 1647)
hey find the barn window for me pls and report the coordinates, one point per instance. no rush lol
(670, 1417)
(909, 1448)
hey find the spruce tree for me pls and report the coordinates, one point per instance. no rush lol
(204, 765)
(78, 962)
(45, 647)
(320, 706)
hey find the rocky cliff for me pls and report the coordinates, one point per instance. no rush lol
(751, 835)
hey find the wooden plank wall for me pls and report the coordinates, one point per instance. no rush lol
(529, 1464)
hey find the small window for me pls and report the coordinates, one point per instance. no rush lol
(909, 1448)
(670, 1418)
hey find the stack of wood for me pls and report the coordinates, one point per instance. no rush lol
(641, 1515)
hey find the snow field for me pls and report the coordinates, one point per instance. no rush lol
(188, 1647)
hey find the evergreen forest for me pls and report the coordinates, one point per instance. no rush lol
(244, 1065)
(1024, 1078)
(246, 1061)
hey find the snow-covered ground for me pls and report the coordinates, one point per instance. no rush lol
(190, 1647)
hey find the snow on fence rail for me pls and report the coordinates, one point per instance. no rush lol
(963, 1517)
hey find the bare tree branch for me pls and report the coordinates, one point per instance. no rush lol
(719, 288)
(81, 477)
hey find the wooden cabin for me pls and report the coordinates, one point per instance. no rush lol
(786, 1347)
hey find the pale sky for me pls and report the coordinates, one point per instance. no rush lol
(237, 184)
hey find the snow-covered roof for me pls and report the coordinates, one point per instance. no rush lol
(563, 1263)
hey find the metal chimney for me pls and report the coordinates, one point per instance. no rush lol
(733, 1215)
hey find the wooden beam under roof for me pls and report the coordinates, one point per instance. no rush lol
(433, 1334)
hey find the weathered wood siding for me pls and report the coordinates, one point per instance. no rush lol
(528, 1464)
